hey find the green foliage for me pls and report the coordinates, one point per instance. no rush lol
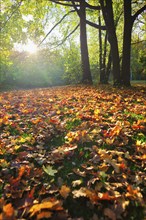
(72, 64)
(41, 69)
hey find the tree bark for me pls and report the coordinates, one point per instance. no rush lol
(108, 67)
(87, 77)
(100, 52)
(126, 43)
(107, 11)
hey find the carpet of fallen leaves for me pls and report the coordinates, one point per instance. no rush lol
(74, 152)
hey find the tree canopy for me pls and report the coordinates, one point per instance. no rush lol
(107, 34)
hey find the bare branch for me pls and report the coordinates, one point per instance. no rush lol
(55, 26)
(138, 13)
(66, 37)
(61, 3)
(75, 7)
(92, 6)
(95, 25)
(69, 34)
(138, 42)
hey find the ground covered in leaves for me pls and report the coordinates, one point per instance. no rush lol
(73, 152)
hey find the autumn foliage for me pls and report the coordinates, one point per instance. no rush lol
(74, 152)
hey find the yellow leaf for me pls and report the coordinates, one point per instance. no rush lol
(96, 111)
(51, 205)
(37, 207)
(22, 140)
(16, 147)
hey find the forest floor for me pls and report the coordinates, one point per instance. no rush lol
(73, 152)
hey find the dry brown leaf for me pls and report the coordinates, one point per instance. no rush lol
(76, 183)
(80, 173)
(79, 193)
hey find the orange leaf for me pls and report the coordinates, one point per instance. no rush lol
(115, 131)
(104, 196)
(8, 210)
(51, 205)
(92, 195)
(122, 166)
(37, 207)
(131, 190)
(64, 191)
(44, 215)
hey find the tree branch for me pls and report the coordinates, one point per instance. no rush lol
(61, 3)
(75, 7)
(88, 22)
(138, 13)
(66, 37)
(95, 25)
(137, 42)
(69, 34)
(55, 26)
(92, 6)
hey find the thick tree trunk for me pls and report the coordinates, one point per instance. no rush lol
(127, 43)
(107, 11)
(87, 78)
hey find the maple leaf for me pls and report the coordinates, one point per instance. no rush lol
(49, 170)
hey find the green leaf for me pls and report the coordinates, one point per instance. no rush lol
(49, 170)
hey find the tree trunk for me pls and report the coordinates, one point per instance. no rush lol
(100, 52)
(126, 43)
(102, 55)
(109, 63)
(107, 11)
(106, 77)
(86, 78)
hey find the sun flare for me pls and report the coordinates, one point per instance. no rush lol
(30, 47)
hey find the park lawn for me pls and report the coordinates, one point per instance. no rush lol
(73, 152)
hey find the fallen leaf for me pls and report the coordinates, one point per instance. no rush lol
(64, 191)
(8, 211)
(49, 170)
(43, 215)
